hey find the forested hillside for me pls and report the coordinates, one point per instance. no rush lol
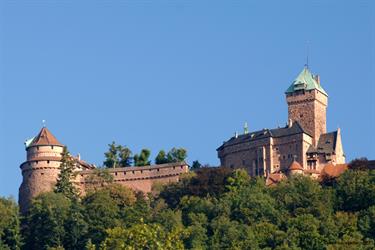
(211, 208)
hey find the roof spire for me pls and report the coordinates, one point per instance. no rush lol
(44, 123)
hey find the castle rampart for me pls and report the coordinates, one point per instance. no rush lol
(41, 169)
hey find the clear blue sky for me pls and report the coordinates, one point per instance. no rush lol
(158, 74)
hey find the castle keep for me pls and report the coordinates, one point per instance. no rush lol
(302, 146)
(41, 169)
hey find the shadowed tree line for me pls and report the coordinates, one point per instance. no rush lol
(210, 208)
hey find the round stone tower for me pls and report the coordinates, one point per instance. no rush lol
(41, 168)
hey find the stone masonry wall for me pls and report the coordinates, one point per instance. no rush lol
(138, 178)
(309, 109)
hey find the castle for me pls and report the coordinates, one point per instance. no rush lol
(303, 146)
(41, 169)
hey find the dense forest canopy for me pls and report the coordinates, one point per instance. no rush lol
(210, 208)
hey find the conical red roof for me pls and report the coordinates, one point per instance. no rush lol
(295, 166)
(45, 137)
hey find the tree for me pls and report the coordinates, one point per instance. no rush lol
(64, 183)
(125, 156)
(302, 195)
(101, 213)
(143, 158)
(356, 190)
(366, 222)
(111, 158)
(303, 231)
(227, 234)
(117, 156)
(359, 164)
(98, 179)
(176, 155)
(144, 236)
(196, 165)
(44, 225)
(76, 227)
(161, 158)
(239, 178)
(10, 236)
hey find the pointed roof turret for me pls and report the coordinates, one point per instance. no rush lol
(306, 81)
(295, 166)
(45, 138)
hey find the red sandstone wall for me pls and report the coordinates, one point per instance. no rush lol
(139, 178)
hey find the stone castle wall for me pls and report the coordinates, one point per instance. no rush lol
(41, 170)
(264, 156)
(137, 178)
(309, 109)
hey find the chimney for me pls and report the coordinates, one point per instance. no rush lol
(290, 123)
(79, 156)
(236, 135)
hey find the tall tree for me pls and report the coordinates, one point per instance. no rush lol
(111, 157)
(177, 155)
(125, 156)
(117, 156)
(44, 221)
(143, 158)
(161, 158)
(64, 183)
(196, 165)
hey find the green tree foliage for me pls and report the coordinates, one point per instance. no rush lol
(111, 157)
(177, 155)
(161, 158)
(117, 156)
(45, 221)
(143, 158)
(301, 195)
(211, 208)
(64, 183)
(196, 165)
(356, 190)
(143, 236)
(101, 213)
(10, 236)
(98, 179)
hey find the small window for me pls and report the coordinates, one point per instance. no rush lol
(51, 147)
(116, 173)
(47, 162)
(41, 173)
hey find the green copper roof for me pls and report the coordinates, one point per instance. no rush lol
(305, 80)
